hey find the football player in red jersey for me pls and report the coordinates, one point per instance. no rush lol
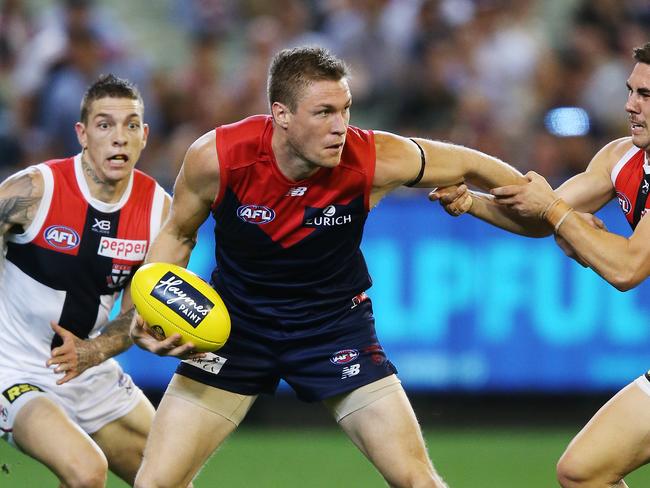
(615, 441)
(74, 230)
(290, 193)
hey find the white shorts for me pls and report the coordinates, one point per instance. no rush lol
(97, 397)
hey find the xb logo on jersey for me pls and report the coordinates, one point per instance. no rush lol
(61, 237)
(102, 226)
(255, 214)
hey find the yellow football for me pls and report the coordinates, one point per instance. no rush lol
(172, 299)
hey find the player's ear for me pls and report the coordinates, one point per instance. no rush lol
(80, 129)
(281, 114)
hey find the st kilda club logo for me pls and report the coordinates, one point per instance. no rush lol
(182, 298)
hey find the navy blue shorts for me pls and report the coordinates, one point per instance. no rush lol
(324, 360)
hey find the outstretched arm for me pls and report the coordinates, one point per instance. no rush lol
(518, 208)
(399, 162)
(197, 185)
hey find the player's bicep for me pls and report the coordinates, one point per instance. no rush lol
(587, 192)
(592, 189)
(196, 187)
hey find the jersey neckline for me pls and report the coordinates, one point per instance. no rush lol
(94, 202)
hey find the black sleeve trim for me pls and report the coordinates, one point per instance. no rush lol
(417, 179)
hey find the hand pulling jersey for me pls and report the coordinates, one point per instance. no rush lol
(69, 264)
(289, 250)
(631, 179)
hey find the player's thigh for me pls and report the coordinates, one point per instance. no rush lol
(192, 420)
(44, 431)
(387, 432)
(615, 441)
(123, 440)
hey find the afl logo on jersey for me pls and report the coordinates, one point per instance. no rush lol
(345, 356)
(624, 202)
(61, 237)
(255, 214)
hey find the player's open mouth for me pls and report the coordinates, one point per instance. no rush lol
(119, 158)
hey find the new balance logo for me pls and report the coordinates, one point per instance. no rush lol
(297, 191)
(350, 371)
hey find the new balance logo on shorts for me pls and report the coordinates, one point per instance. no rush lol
(349, 371)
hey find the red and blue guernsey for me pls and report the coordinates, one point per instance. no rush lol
(631, 179)
(289, 249)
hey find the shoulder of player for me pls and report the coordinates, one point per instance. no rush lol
(200, 171)
(612, 152)
(201, 158)
(28, 183)
(20, 195)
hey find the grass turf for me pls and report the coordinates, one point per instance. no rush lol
(260, 458)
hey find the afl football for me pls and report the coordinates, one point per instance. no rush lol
(172, 299)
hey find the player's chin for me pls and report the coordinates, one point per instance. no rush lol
(642, 141)
(116, 173)
(330, 159)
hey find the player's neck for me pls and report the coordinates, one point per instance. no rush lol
(100, 188)
(290, 163)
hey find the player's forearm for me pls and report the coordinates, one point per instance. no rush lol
(612, 256)
(485, 208)
(113, 339)
(171, 246)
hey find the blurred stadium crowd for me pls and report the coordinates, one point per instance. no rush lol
(539, 83)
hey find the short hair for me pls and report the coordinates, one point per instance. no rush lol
(642, 53)
(294, 69)
(108, 86)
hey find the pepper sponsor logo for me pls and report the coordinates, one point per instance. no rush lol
(344, 356)
(125, 249)
(13, 392)
(256, 214)
(61, 237)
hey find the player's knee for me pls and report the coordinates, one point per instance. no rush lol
(152, 478)
(90, 472)
(571, 472)
(419, 473)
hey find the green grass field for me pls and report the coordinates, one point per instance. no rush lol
(260, 458)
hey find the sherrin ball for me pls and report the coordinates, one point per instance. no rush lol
(172, 299)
